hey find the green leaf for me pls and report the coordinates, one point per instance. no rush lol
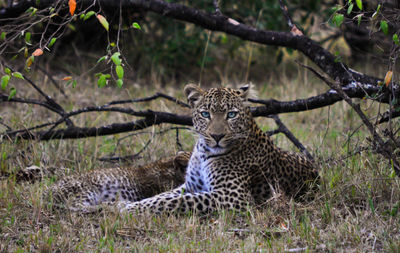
(396, 39)
(29, 61)
(384, 27)
(338, 19)
(115, 58)
(359, 20)
(376, 12)
(72, 27)
(3, 36)
(350, 8)
(120, 83)
(18, 75)
(120, 71)
(102, 81)
(338, 58)
(82, 16)
(52, 41)
(336, 8)
(4, 81)
(32, 10)
(73, 83)
(88, 15)
(7, 70)
(359, 4)
(136, 26)
(224, 38)
(13, 91)
(28, 38)
(101, 59)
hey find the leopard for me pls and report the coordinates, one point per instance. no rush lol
(90, 191)
(234, 164)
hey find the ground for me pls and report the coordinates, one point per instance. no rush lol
(356, 207)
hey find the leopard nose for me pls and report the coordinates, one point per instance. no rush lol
(217, 137)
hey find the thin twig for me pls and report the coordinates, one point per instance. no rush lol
(11, 133)
(178, 143)
(161, 132)
(147, 99)
(5, 125)
(49, 101)
(135, 156)
(5, 98)
(286, 14)
(54, 82)
(125, 158)
(283, 129)
(388, 116)
(216, 7)
(293, 28)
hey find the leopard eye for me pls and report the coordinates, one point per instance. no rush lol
(232, 115)
(205, 114)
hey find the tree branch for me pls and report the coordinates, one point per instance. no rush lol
(283, 129)
(82, 132)
(218, 22)
(353, 90)
(270, 107)
(381, 147)
(147, 99)
(50, 103)
(293, 28)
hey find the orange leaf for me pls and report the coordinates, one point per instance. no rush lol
(72, 6)
(67, 78)
(37, 52)
(388, 77)
(103, 21)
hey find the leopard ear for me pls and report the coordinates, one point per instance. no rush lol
(245, 91)
(193, 93)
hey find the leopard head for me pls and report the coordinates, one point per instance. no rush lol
(221, 117)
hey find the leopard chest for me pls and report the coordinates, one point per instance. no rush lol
(198, 175)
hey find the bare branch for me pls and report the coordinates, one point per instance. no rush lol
(51, 104)
(54, 82)
(154, 118)
(270, 107)
(216, 7)
(283, 129)
(388, 116)
(125, 158)
(4, 98)
(293, 28)
(147, 99)
(381, 146)
(320, 56)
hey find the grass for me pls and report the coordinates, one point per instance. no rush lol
(355, 210)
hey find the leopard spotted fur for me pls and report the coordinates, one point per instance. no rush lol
(85, 192)
(233, 163)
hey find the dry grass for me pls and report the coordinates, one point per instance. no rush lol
(356, 208)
